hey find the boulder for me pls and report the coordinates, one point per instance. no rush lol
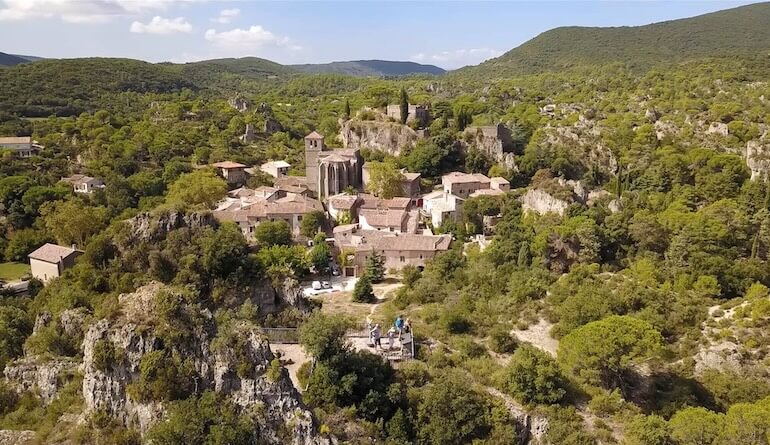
(541, 202)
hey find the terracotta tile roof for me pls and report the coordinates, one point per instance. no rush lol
(53, 253)
(228, 165)
(383, 218)
(16, 140)
(411, 176)
(373, 202)
(487, 192)
(335, 158)
(314, 135)
(276, 164)
(409, 242)
(459, 178)
(343, 201)
(499, 180)
(79, 179)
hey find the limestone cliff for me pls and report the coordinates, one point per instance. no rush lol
(232, 359)
(385, 136)
(216, 367)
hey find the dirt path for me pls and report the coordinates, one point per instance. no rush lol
(294, 354)
(539, 336)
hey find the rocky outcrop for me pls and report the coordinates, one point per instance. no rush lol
(219, 368)
(40, 375)
(389, 137)
(530, 429)
(718, 128)
(541, 202)
(757, 157)
(151, 228)
(494, 140)
(12, 437)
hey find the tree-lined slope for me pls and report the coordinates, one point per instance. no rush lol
(739, 31)
(376, 68)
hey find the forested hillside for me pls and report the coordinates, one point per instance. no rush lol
(741, 31)
(377, 68)
(618, 294)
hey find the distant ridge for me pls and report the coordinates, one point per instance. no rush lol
(11, 59)
(377, 68)
(742, 31)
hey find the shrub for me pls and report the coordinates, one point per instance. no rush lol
(105, 354)
(501, 340)
(532, 376)
(274, 370)
(163, 376)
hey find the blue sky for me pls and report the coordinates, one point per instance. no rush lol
(449, 34)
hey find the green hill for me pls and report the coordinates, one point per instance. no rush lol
(71, 86)
(367, 68)
(743, 31)
(68, 87)
(11, 60)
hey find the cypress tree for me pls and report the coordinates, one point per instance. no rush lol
(404, 106)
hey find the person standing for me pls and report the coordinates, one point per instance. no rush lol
(399, 324)
(391, 338)
(376, 334)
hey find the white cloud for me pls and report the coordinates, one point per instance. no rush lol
(458, 57)
(161, 25)
(226, 15)
(78, 11)
(244, 40)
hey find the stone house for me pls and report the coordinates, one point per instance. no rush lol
(233, 172)
(50, 261)
(22, 147)
(84, 184)
(398, 250)
(343, 207)
(276, 169)
(410, 186)
(441, 206)
(249, 211)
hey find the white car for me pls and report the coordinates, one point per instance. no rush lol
(316, 285)
(326, 285)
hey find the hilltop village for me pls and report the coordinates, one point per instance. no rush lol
(568, 244)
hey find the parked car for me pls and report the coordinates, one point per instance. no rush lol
(316, 285)
(336, 270)
(326, 285)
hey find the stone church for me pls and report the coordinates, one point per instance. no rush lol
(330, 172)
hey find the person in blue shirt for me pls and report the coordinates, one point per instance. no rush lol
(399, 324)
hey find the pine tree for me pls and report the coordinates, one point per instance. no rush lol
(375, 266)
(347, 109)
(363, 292)
(404, 106)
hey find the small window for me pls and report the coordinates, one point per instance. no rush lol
(402, 259)
(420, 256)
(299, 218)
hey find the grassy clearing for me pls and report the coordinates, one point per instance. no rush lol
(12, 271)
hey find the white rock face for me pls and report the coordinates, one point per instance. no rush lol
(389, 137)
(39, 374)
(133, 337)
(12, 437)
(541, 202)
(718, 128)
(758, 158)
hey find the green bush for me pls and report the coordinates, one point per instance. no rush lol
(163, 376)
(533, 377)
(502, 341)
